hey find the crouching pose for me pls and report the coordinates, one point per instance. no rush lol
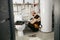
(34, 22)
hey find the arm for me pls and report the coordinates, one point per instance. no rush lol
(33, 21)
(39, 19)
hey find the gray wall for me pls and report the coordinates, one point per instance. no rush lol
(7, 31)
(57, 18)
(4, 26)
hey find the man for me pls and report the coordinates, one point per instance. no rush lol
(34, 22)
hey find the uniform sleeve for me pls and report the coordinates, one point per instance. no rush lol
(37, 16)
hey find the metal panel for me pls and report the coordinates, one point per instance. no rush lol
(56, 18)
(4, 22)
(4, 9)
(5, 31)
(12, 27)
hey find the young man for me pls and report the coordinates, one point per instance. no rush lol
(34, 22)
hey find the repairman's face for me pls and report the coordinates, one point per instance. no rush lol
(33, 13)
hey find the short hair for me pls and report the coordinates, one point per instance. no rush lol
(34, 12)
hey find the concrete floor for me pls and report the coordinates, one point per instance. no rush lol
(39, 36)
